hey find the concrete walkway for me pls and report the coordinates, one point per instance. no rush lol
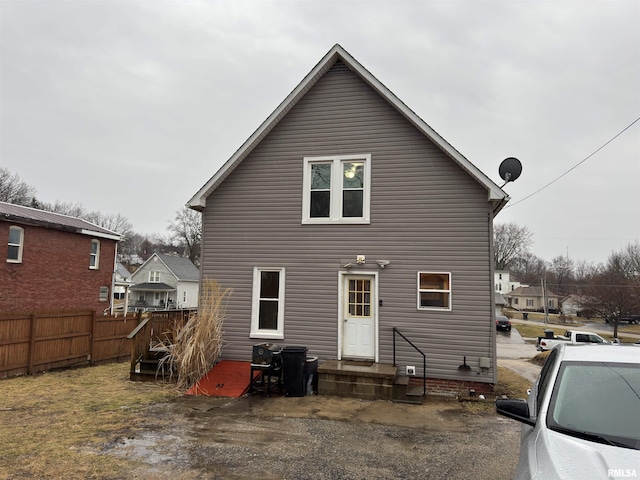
(514, 353)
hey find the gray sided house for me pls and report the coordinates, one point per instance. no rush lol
(345, 215)
(165, 281)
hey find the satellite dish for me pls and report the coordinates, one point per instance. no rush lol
(510, 169)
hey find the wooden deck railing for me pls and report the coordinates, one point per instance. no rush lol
(157, 327)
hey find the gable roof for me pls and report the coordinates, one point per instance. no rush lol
(181, 267)
(495, 194)
(41, 218)
(530, 292)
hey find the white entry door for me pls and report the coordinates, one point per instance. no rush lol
(359, 316)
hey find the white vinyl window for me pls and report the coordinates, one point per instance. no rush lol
(104, 294)
(94, 258)
(154, 276)
(267, 309)
(336, 189)
(434, 291)
(16, 241)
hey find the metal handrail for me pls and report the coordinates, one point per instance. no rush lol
(424, 358)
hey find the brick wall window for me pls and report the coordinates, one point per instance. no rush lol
(94, 258)
(16, 241)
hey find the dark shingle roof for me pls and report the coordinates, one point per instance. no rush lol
(182, 267)
(529, 292)
(162, 287)
(33, 216)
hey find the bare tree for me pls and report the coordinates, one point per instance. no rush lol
(528, 268)
(614, 292)
(64, 208)
(510, 241)
(186, 233)
(14, 190)
(560, 275)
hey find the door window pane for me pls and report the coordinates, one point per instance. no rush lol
(359, 296)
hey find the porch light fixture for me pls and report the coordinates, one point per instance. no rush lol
(383, 263)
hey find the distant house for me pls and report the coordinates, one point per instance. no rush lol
(531, 299)
(575, 305)
(121, 287)
(165, 281)
(54, 262)
(345, 216)
(503, 282)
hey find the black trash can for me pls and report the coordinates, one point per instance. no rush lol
(548, 333)
(311, 375)
(525, 316)
(294, 361)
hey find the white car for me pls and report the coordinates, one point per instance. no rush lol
(582, 417)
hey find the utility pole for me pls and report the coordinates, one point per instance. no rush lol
(543, 284)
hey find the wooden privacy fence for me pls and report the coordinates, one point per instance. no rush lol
(37, 342)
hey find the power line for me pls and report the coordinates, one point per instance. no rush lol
(577, 164)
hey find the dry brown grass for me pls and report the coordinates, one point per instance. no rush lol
(54, 425)
(509, 383)
(540, 358)
(198, 344)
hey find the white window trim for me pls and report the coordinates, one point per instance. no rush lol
(335, 213)
(255, 305)
(97, 255)
(152, 277)
(19, 245)
(449, 291)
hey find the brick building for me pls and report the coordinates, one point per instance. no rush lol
(54, 262)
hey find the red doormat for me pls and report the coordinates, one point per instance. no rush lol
(226, 379)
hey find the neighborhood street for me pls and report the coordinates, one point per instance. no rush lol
(514, 353)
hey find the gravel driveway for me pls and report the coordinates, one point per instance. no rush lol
(320, 437)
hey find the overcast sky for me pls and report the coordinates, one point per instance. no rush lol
(130, 107)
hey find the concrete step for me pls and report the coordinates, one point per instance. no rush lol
(365, 380)
(405, 393)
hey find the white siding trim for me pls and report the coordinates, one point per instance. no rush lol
(341, 280)
(439, 309)
(336, 189)
(277, 334)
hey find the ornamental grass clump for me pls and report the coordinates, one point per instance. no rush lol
(198, 344)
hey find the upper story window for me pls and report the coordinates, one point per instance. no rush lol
(94, 258)
(434, 291)
(16, 240)
(154, 276)
(267, 312)
(336, 189)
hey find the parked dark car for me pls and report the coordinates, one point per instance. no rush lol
(503, 323)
